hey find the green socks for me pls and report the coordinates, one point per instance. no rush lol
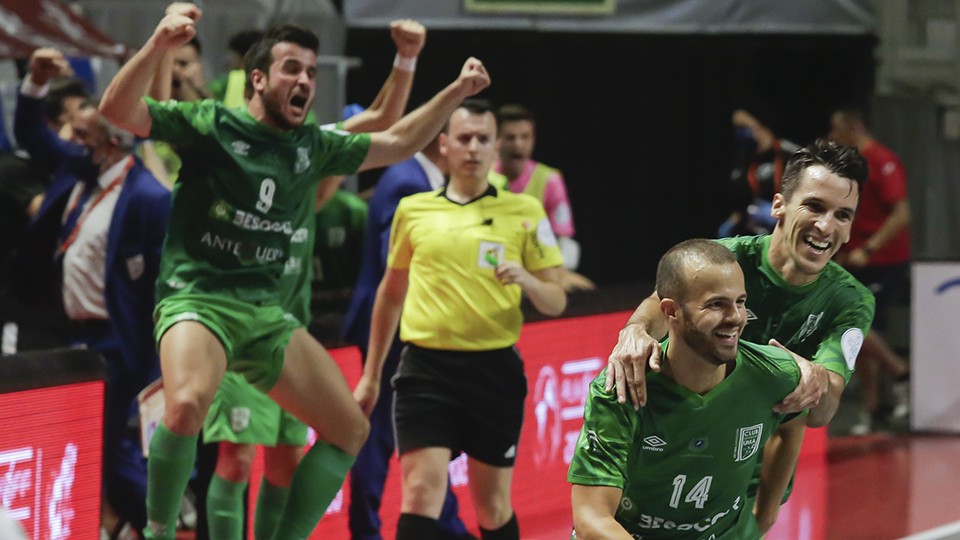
(315, 483)
(168, 470)
(225, 508)
(270, 503)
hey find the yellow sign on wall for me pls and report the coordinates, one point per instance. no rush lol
(542, 7)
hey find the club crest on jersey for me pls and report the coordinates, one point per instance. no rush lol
(303, 161)
(748, 442)
(239, 419)
(809, 326)
(240, 148)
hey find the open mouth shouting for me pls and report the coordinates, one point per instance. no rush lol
(299, 104)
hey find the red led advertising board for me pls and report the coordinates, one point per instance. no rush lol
(50, 459)
(561, 357)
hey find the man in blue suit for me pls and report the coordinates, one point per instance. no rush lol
(423, 172)
(99, 229)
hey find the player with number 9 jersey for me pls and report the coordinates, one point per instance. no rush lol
(240, 198)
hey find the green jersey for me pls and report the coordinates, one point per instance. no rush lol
(244, 192)
(685, 460)
(338, 248)
(824, 320)
(331, 259)
(294, 291)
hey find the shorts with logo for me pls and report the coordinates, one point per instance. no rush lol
(253, 337)
(470, 401)
(242, 414)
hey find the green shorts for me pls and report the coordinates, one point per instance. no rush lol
(253, 337)
(242, 414)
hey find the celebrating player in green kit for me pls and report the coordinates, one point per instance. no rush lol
(247, 184)
(681, 467)
(798, 298)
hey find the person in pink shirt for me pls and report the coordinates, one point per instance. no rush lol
(516, 137)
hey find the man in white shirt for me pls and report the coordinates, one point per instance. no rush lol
(102, 222)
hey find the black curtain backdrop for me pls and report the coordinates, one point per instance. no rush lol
(639, 124)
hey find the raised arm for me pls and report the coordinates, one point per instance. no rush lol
(391, 102)
(637, 345)
(162, 80)
(416, 129)
(383, 327)
(594, 510)
(122, 102)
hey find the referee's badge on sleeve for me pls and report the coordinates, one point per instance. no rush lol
(490, 255)
(545, 233)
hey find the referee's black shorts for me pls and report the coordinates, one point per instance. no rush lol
(470, 401)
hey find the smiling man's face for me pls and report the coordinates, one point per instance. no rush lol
(813, 224)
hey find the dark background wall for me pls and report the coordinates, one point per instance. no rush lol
(640, 124)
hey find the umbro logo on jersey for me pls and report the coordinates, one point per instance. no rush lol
(240, 148)
(303, 160)
(511, 452)
(654, 443)
(751, 316)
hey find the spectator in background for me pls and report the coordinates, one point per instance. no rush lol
(878, 255)
(189, 83)
(757, 172)
(229, 87)
(459, 261)
(337, 249)
(516, 138)
(63, 102)
(102, 219)
(30, 319)
(183, 80)
(423, 172)
(33, 318)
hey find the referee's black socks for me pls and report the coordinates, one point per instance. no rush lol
(509, 531)
(414, 527)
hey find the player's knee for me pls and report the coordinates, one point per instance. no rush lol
(184, 414)
(423, 491)
(493, 512)
(356, 435)
(234, 461)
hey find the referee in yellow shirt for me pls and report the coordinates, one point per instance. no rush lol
(460, 259)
